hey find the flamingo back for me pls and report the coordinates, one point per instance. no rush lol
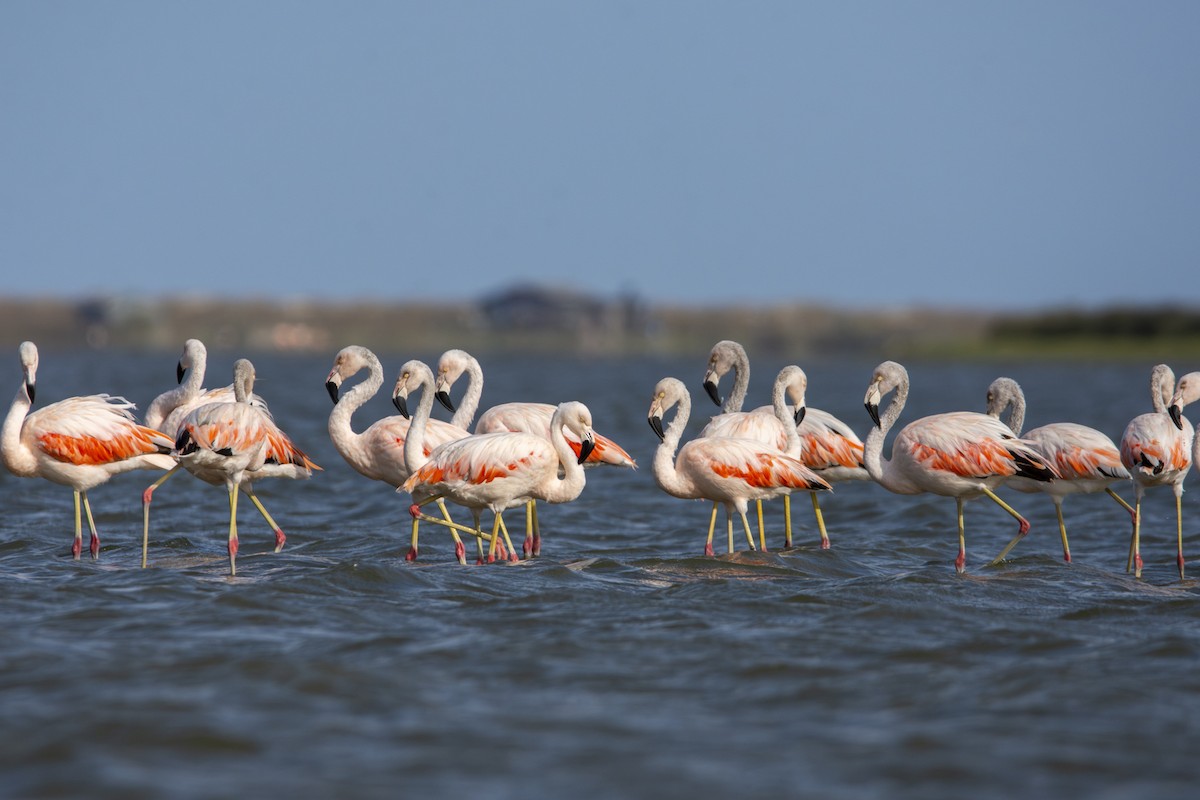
(93, 430)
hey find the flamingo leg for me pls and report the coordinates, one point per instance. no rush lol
(94, 545)
(1178, 525)
(746, 525)
(1062, 529)
(146, 496)
(762, 533)
(960, 563)
(495, 539)
(1120, 500)
(77, 543)
(1135, 550)
(233, 536)
(537, 530)
(512, 551)
(787, 522)
(729, 530)
(279, 537)
(712, 524)
(1022, 527)
(527, 546)
(820, 521)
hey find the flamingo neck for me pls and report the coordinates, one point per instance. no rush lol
(1162, 387)
(879, 468)
(17, 458)
(1016, 417)
(741, 382)
(665, 474)
(340, 429)
(780, 406)
(568, 487)
(469, 404)
(414, 442)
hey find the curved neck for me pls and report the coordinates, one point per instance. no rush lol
(16, 458)
(741, 382)
(340, 429)
(665, 474)
(1162, 387)
(414, 442)
(471, 395)
(572, 481)
(877, 466)
(780, 406)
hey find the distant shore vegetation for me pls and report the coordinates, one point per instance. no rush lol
(534, 319)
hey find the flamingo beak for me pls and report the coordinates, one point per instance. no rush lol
(710, 386)
(1176, 415)
(443, 397)
(656, 425)
(179, 370)
(332, 388)
(798, 417)
(401, 404)
(586, 445)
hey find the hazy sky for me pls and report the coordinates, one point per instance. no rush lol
(1001, 154)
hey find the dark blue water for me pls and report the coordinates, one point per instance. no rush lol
(621, 663)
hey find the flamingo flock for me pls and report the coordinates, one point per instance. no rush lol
(520, 454)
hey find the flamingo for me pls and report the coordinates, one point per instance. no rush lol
(518, 417)
(1085, 459)
(79, 442)
(960, 454)
(167, 411)
(236, 443)
(1156, 448)
(498, 470)
(828, 446)
(378, 452)
(727, 470)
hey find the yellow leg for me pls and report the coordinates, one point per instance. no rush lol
(712, 525)
(820, 521)
(1135, 545)
(1120, 500)
(233, 537)
(146, 495)
(279, 537)
(1022, 529)
(495, 538)
(77, 542)
(746, 525)
(94, 545)
(762, 533)
(512, 552)
(1178, 527)
(960, 563)
(787, 521)
(729, 530)
(1062, 530)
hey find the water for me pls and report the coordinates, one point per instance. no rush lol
(621, 663)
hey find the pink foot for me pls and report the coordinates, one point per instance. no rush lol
(537, 545)
(1024, 526)
(824, 544)
(527, 547)
(146, 495)
(491, 559)
(513, 557)
(76, 548)
(411, 555)
(279, 540)
(708, 549)
(460, 552)
(1137, 563)
(233, 547)
(501, 551)
(1180, 562)
(960, 563)
(95, 548)
(414, 510)
(479, 561)
(1067, 556)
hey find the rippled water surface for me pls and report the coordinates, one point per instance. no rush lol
(621, 663)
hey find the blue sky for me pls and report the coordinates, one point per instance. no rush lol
(994, 155)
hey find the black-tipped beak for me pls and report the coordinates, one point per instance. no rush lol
(31, 390)
(585, 448)
(179, 370)
(444, 399)
(401, 405)
(1176, 416)
(798, 417)
(332, 388)
(713, 392)
(656, 426)
(873, 410)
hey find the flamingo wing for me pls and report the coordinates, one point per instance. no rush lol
(93, 429)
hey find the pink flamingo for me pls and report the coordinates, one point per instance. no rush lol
(960, 454)
(167, 411)
(728, 470)
(378, 452)
(1085, 459)
(79, 442)
(497, 470)
(828, 446)
(517, 417)
(1156, 448)
(236, 443)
